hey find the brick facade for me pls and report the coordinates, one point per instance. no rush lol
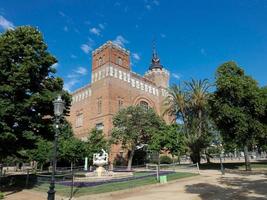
(113, 86)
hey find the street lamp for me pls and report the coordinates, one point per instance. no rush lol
(59, 106)
(221, 163)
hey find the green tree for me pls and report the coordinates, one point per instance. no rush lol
(239, 107)
(134, 126)
(27, 89)
(189, 103)
(72, 150)
(96, 141)
(169, 138)
(42, 153)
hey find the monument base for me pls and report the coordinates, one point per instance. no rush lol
(100, 171)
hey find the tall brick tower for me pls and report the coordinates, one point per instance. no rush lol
(110, 54)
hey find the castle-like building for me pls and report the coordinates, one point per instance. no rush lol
(114, 86)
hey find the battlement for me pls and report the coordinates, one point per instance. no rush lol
(111, 44)
(110, 52)
(157, 70)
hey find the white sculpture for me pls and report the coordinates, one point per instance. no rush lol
(100, 160)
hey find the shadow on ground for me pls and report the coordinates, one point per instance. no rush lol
(233, 188)
(15, 183)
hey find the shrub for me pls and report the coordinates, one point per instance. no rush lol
(1, 195)
(165, 160)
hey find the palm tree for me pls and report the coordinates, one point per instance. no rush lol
(175, 104)
(189, 105)
(198, 95)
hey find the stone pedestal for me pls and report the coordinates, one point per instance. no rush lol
(100, 171)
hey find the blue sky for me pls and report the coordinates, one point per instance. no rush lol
(193, 37)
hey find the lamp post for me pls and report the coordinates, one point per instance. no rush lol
(221, 163)
(59, 106)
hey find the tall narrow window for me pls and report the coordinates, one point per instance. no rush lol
(144, 104)
(99, 105)
(100, 61)
(120, 103)
(120, 61)
(79, 120)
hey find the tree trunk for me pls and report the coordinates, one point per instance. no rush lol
(195, 157)
(247, 161)
(208, 158)
(72, 180)
(130, 160)
(200, 123)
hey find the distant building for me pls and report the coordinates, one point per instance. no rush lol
(114, 86)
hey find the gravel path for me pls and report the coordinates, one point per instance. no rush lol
(210, 185)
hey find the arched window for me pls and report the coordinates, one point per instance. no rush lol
(100, 61)
(79, 119)
(119, 61)
(144, 104)
(99, 105)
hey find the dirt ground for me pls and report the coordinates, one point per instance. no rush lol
(209, 185)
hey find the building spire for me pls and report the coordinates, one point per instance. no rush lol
(155, 62)
(154, 50)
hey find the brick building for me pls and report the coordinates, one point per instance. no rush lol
(113, 86)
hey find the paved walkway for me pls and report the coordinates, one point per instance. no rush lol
(210, 185)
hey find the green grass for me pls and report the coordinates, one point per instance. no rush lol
(238, 165)
(137, 174)
(110, 187)
(1, 195)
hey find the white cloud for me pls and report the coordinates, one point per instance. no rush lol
(162, 35)
(176, 76)
(69, 84)
(126, 8)
(120, 40)
(62, 14)
(73, 56)
(81, 71)
(86, 48)
(136, 56)
(55, 65)
(5, 24)
(102, 26)
(156, 2)
(148, 7)
(203, 52)
(66, 29)
(95, 31)
(149, 4)
(74, 77)
(117, 3)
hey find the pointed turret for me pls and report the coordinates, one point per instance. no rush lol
(155, 61)
(156, 73)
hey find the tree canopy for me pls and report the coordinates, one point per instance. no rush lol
(27, 89)
(134, 126)
(169, 138)
(239, 106)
